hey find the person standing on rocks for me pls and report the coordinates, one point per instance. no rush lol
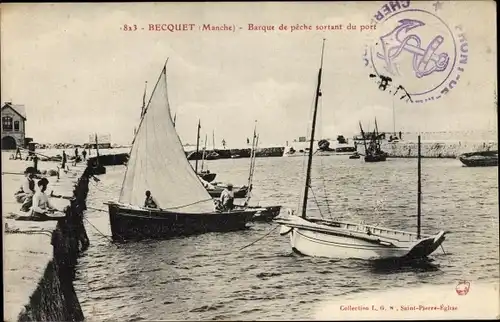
(84, 154)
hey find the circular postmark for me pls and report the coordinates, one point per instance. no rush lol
(415, 53)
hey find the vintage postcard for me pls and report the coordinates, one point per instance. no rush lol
(250, 161)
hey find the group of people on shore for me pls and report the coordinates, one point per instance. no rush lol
(33, 197)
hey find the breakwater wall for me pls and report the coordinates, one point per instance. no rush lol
(433, 149)
(238, 153)
(55, 299)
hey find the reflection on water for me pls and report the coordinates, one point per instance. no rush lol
(209, 277)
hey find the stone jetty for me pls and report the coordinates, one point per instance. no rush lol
(409, 149)
(40, 257)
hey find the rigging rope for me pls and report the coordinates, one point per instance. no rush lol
(317, 204)
(322, 175)
(260, 238)
(29, 232)
(101, 233)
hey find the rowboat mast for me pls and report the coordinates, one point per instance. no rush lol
(311, 143)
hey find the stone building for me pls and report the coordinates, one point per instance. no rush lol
(13, 126)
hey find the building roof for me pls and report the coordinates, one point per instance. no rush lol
(19, 109)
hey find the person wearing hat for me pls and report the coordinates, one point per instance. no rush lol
(227, 198)
(41, 205)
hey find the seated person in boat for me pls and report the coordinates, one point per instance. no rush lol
(150, 201)
(227, 198)
(25, 194)
(41, 205)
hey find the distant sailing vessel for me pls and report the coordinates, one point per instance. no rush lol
(204, 174)
(158, 163)
(480, 159)
(338, 239)
(373, 152)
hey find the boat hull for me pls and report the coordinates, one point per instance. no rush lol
(238, 192)
(266, 215)
(480, 159)
(137, 224)
(375, 158)
(357, 243)
(208, 177)
(316, 244)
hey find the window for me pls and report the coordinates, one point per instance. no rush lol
(7, 123)
(16, 125)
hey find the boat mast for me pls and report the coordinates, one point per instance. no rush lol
(419, 190)
(313, 128)
(363, 135)
(204, 152)
(252, 154)
(144, 99)
(393, 117)
(213, 140)
(97, 147)
(197, 147)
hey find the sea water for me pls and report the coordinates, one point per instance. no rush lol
(208, 277)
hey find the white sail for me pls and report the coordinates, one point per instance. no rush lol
(158, 163)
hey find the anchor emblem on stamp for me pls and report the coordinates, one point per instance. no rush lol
(416, 51)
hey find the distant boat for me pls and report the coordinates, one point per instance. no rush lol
(324, 149)
(158, 163)
(207, 176)
(95, 164)
(204, 174)
(373, 152)
(339, 239)
(480, 159)
(355, 155)
(263, 213)
(239, 192)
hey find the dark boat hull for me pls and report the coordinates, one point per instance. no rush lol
(139, 224)
(208, 177)
(238, 193)
(480, 159)
(267, 215)
(375, 158)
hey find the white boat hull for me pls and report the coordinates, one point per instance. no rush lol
(342, 240)
(316, 244)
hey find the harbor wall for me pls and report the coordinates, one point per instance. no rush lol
(55, 299)
(433, 149)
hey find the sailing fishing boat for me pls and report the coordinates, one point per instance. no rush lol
(373, 152)
(265, 213)
(158, 164)
(243, 191)
(338, 239)
(97, 167)
(205, 175)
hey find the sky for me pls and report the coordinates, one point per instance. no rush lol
(78, 73)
